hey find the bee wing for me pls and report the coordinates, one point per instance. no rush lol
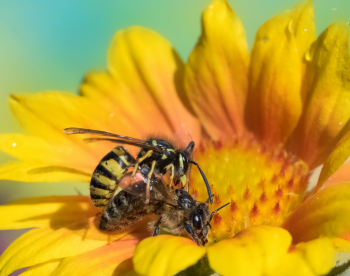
(137, 186)
(114, 138)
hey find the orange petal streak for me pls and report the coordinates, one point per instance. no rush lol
(324, 214)
(340, 176)
(216, 72)
(111, 259)
(327, 103)
(146, 72)
(44, 244)
(340, 153)
(274, 102)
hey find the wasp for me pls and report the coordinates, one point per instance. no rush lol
(179, 211)
(157, 156)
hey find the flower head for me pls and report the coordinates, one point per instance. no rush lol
(261, 123)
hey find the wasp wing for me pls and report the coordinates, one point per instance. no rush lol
(137, 186)
(116, 138)
(120, 141)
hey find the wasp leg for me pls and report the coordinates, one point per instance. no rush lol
(156, 230)
(139, 160)
(172, 173)
(190, 231)
(149, 181)
(137, 163)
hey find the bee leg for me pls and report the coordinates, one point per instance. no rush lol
(156, 230)
(149, 181)
(190, 231)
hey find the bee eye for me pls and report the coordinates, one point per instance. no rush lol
(197, 221)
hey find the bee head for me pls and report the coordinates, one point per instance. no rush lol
(200, 223)
(200, 220)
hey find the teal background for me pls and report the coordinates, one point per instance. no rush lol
(51, 44)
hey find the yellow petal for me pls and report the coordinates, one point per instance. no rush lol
(217, 70)
(40, 172)
(52, 211)
(111, 259)
(326, 86)
(38, 150)
(166, 255)
(44, 244)
(325, 213)
(319, 255)
(42, 269)
(274, 103)
(254, 251)
(44, 116)
(146, 72)
(340, 153)
(341, 245)
(23, 241)
(102, 89)
(292, 264)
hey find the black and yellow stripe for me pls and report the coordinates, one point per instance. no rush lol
(107, 175)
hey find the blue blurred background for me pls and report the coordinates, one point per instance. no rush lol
(51, 44)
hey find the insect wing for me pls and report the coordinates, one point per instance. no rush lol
(137, 186)
(134, 185)
(113, 138)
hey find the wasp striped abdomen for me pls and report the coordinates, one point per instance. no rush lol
(106, 177)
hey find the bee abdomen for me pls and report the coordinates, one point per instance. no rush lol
(107, 174)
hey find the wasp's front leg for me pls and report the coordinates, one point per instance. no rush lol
(172, 173)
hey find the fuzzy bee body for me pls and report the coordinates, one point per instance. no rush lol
(178, 210)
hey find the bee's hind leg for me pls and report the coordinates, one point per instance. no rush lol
(156, 230)
(190, 231)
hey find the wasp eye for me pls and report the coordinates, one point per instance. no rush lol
(197, 221)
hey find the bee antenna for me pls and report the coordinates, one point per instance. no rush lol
(205, 180)
(212, 214)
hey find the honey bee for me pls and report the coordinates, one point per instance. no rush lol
(178, 210)
(157, 156)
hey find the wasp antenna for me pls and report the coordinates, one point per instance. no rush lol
(205, 180)
(69, 130)
(212, 214)
(74, 130)
(189, 148)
